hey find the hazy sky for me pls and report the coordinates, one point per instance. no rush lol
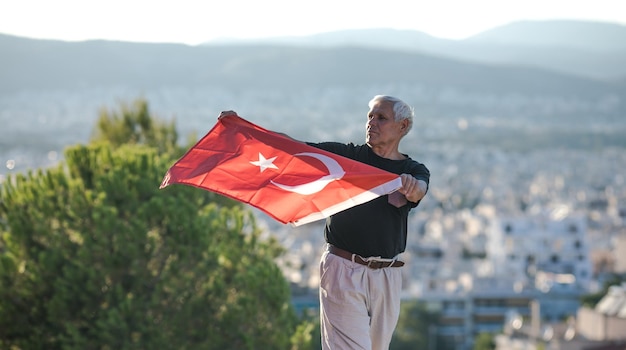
(196, 21)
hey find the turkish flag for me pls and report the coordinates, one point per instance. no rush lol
(289, 180)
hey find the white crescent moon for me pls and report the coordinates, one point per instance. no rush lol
(335, 172)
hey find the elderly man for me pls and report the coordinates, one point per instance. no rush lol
(360, 271)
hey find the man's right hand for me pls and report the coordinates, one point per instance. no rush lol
(227, 113)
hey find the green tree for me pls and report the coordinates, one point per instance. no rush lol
(94, 256)
(414, 329)
(590, 300)
(485, 341)
(134, 124)
(307, 336)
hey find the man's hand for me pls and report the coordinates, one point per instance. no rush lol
(412, 188)
(227, 113)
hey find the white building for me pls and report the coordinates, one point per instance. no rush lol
(550, 248)
(619, 253)
(607, 321)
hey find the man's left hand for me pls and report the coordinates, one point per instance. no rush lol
(412, 188)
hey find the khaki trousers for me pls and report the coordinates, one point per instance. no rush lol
(359, 306)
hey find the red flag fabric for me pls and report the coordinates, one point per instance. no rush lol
(289, 180)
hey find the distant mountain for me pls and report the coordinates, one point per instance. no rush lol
(589, 49)
(45, 64)
(598, 37)
(379, 38)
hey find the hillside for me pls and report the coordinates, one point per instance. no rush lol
(588, 49)
(47, 64)
(587, 36)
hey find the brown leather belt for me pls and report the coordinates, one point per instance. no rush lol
(374, 264)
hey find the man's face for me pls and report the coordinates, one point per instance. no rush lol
(381, 127)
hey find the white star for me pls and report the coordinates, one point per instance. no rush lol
(263, 163)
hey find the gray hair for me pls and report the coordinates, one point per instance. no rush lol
(401, 109)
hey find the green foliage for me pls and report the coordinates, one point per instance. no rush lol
(466, 254)
(307, 335)
(414, 327)
(590, 300)
(94, 256)
(133, 124)
(485, 341)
